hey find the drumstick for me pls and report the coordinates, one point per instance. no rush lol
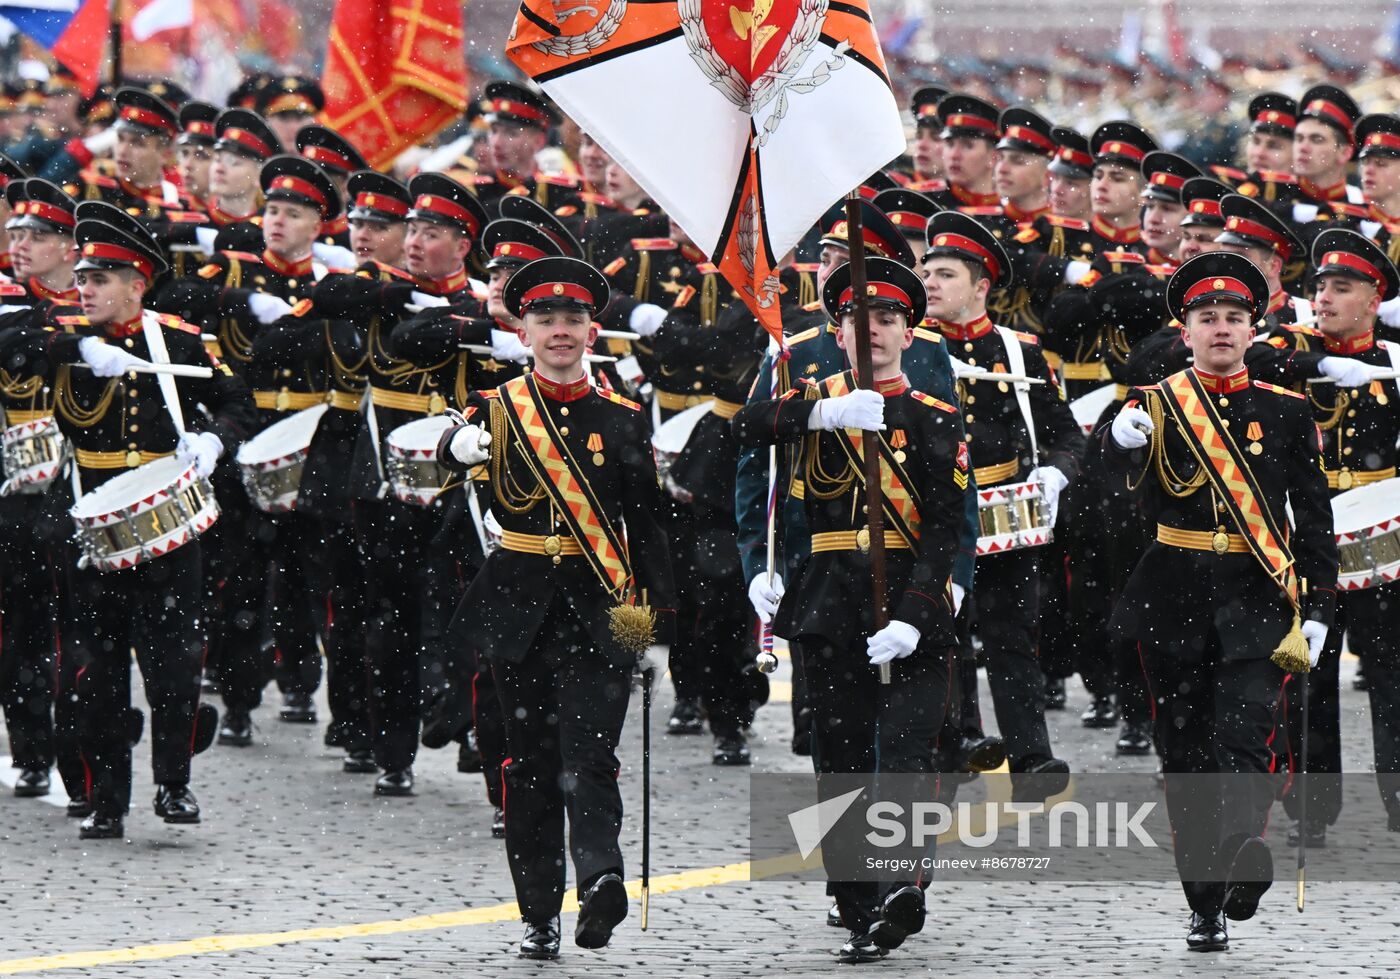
(481, 348)
(618, 335)
(993, 376)
(1387, 376)
(177, 370)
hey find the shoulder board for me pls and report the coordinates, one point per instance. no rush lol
(1280, 342)
(652, 244)
(990, 211)
(210, 271)
(932, 402)
(1278, 390)
(615, 266)
(804, 335)
(1124, 258)
(567, 211)
(932, 336)
(812, 307)
(618, 399)
(929, 186)
(1030, 338)
(98, 180)
(489, 393)
(1247, 189)
(1228, 173)
(386, 269)
(1162, 271)
(302, 307)
(71, 320)
(187, 217)
(1074, 224)
(1350, 210)
(175, 323)
(556, 180)
(483, 179)
(1027, 234)
(806, 266)
(1090, 277)
(1276, 177)
(1310, 331)
(707, 268)
(244, 256)
(684, 297)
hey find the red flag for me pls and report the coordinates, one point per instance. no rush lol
(745, 123)
(395, 73)
(82, 45)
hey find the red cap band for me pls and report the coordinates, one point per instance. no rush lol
(319, 154)
(1209, 208)
(291, 102)
(556, 290)
(1390, 141)
(298, 186)
(963, 244)
(966, 120)
(518, 250)
(877, 290)
(1356, 263)
(907, 219)
(244, 138)
(1077, 157)
(48, 212)
(1333, 111)
(382, 202)
(841, 232)
(133, 113)
(116, 253)
(448, 209)
(1026, 135)
(522, 109)
(1220, 283)
(1116, 147)
(927, 110)
(200, 127)
(1273, 117)
(1253, 229)
(1164, 179)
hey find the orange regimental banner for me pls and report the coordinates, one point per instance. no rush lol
(395, 73)
(901, 506)
(1232, 478)
(745, 121)
(560, 476)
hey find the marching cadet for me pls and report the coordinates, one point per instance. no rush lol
(335, 155)
(378, 218)
(565, 607)
(234, 295)
(194, 151)
(926, 150)
(117, 420)
(1163, 176)
(1268, 151)
(1022, 159)
(908, 210)
(1360, 428)
(1254, 231)
(244, 143)
(1323, 145)
(145, 127)
(1016, 437)
(41, 240)
(858, 724)
(520, 121)
(393, 535)
(968, 138)
(289, 104)
(1378, 152)
(1212, 599)
(1070, 173)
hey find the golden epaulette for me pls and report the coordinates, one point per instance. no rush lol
(1277, 390)
(482, 179)
(810, 267)
(615, 266)
(812, 307)
(1074, 224)
(932, 402)
(1350, 210)
(1027, 234)
(386, 269)
(653, 244)
(1161, 271)
(932, 336)
(556, 180)
(98, 180)
(186, 217)
(243, 256)
(804, 335)
(175, 323)
(1228, 173)
(618, 399)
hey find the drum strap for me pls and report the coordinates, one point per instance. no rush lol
(1016, 364)
(169, 393)
(1392, 350)
(372, 420)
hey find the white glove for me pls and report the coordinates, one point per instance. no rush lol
(657, 659)
(107, 360)
(333, 256)
(268, 309)
(1390, 312)
(860, 409)
(1303, 213)
(1052, 484)
(959, 593)
(206, 238)
(1316, 634)
(1350, 372)
(469, 445)
(765, 597)
(506, 345)
(1125, 430)
(895, 641)
(425, 300)
(201, 448)
(1076, 270)
(646, 319)
(962, 368)
(101, 143)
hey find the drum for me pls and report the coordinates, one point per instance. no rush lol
(1086, 410)
(415, 475)
(1010, 517)
(143, 514)
(1366, 521)
(270, 462)
(33, 454)
(669, 441)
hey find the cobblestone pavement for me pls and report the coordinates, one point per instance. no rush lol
(417, 887)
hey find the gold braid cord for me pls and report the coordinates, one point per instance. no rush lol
(1172, 484)
(508, 491)
(822, 485)
(72, 409)
(20, 390)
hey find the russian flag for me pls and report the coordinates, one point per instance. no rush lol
(74, 31)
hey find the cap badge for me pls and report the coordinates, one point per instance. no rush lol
(559, 288)
(1218, 284)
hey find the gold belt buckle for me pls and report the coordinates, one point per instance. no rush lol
(284, 400)
(552, 545)
(436, 403)
(1220, 542)
(133, 459)
(1344, 479)
(863, 540)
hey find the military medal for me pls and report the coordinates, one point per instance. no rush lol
(1254, 433)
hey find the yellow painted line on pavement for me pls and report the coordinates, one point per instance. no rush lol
(666, 884)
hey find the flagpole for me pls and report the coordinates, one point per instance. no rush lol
(865, 377)
(115, 10)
